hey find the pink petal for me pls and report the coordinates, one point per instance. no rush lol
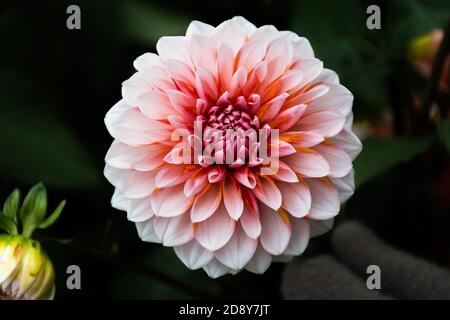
(193, 255)
(232, 199)
(276, 230)
(203, 53)
(250, 223)
(296, 198)
(310, 67)
(288, 118)
(302, 139)
(206, 203)
(123, 156)
(216, 231)
(328, 123)
(225, 62)
(338, 99)
(170, 202)
(267, 192)
(180, 71)
(138, 184)
(182, 103)
(308, 163)
(285, 173)
(206, 85)
(278, 57)
(155, 105)
(130, 126)
(270, 110)
(245, 177)
(238, 251)
(292, 80)
(174, 231)
(171, 175)
(196, 183)
(251, 53)
(325, 199)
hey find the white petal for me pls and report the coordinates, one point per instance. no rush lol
(238, 251)
(319, 227)
(276, 230)
(216, 231)
(325, 199)
(146, 231)
(170, 202)
(193, 255)
(347, 140)
(215, 269)
(206, 203)
(197, 27)
(118, 201)
(299, 238)
(260, 262)
(296, 198)
(337, 158)
(345, 186)
(174, 231)
(139, 210)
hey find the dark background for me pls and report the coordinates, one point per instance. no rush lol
(56, 86)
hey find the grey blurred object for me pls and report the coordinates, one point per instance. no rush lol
(344, 276)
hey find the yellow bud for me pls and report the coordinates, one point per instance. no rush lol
(26, 272)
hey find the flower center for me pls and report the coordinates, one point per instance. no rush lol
(230, 118)
(230, 135)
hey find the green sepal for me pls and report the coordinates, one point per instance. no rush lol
(7, 224)
(33, 209)
(12, 205)
(51, 219)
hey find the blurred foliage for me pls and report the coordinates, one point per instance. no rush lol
(56, 86)
(380, 155)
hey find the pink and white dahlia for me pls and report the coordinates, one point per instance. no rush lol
(233, 145)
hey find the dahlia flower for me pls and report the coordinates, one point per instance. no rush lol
(233, 145)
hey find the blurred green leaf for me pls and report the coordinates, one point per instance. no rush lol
(33, 209)
(444, 132)
(12, 204)
(40, 147)
(341, 39)
(379, 155)
(147, 22)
